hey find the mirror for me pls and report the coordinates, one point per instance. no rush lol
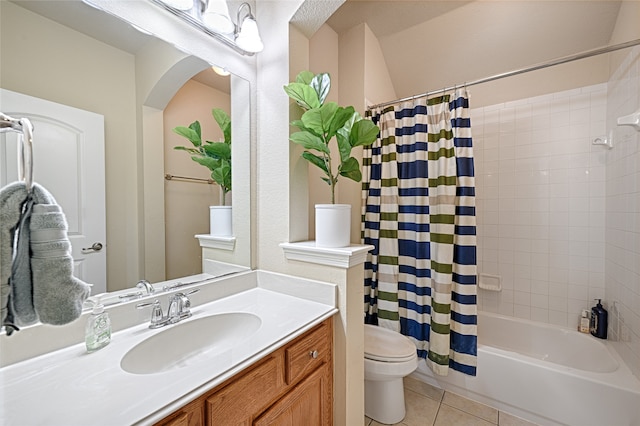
(72, 54)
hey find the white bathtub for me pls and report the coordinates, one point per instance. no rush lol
(546, 374)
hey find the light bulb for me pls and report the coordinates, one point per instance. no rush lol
(249, 38)
(221, 71)
(216, 17)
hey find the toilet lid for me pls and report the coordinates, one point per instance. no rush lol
(381, 344)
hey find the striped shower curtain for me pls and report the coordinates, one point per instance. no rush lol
(419, 214)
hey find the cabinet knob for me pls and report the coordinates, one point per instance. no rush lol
(313, 354)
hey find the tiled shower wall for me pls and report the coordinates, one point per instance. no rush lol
(559, 217)
(622, 221)
(541, 204)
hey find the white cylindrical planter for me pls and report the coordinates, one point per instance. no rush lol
(333, 225)
(220, 221)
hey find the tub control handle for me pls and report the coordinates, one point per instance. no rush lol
(313, 354)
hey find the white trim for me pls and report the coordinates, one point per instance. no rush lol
(221, 243)
(343, 257)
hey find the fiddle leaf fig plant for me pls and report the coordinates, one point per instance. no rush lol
(321, 122)
(216, 156)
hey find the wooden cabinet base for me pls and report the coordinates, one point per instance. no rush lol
(292, 386)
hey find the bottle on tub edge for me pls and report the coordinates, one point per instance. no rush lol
(598, 323)
(583, 327)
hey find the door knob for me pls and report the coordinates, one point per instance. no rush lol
(94, 247)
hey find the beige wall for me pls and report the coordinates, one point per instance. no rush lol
(299, 222)
(356, 60)
(377, 81)
(323, 57)
(78, 71)
(359, 77)
(352, 54)
(490, 24)
(187, 203)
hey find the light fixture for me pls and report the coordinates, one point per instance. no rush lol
(216, 17)
(246, 34)
(221, 71)
(212, 18)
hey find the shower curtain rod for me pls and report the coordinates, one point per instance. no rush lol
(559, 61)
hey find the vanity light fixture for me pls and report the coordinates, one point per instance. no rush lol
(246, 34)
(216, 17)
(212, 18)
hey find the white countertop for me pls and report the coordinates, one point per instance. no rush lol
(71, 387)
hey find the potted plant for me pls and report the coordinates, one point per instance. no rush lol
(320, 123)
(216, 156)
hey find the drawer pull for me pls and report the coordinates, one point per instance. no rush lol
(313, 354)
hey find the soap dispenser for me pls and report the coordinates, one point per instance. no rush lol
(599, 319)
(98, 329)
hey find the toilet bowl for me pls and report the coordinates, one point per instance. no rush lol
(388, 358)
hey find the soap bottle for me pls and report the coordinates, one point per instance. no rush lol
(599, 319)
(584, 322)
(98, 329)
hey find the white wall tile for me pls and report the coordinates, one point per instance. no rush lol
(546, 195)
(562, 222)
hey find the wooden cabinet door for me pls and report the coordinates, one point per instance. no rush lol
(237, 403)
(189, 415)
(307, 404)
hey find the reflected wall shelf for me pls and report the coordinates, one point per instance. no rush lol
(220, 243)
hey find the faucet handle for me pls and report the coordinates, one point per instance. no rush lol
(184, 304)
(157, 319)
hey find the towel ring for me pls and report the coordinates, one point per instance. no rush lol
(25, 153)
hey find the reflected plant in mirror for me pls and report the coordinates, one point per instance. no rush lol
(216, 156)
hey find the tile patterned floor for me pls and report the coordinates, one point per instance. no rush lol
(430, 406)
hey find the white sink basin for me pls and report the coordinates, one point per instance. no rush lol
(184, 343)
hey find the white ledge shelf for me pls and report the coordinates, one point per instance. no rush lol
(343, 257)
(215, 242)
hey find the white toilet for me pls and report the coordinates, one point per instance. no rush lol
(388, 358)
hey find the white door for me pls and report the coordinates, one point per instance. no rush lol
(68, 160)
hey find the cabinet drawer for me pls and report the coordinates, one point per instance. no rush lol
(308, 353)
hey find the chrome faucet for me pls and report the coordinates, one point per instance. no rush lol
(179, 309)
(146, 285)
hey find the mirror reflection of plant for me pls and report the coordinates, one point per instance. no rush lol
(322, 121)
(216, 156)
